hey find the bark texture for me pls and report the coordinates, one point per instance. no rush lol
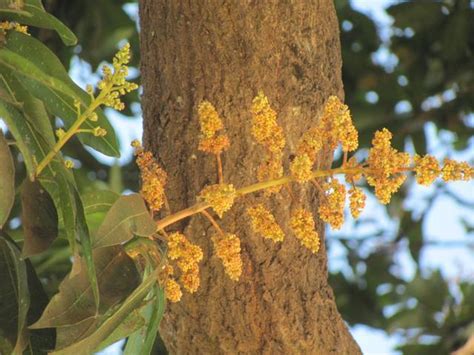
(225, 51)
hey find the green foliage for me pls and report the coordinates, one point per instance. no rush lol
(105, 295)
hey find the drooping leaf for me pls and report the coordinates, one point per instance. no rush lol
(14, 296)
(127, 217)
(32, 13)
(117, 277)
(39, 218)
(51, 83)
(91, 343)
(7, 180)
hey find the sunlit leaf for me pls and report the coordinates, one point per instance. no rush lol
(7, 180)
(127, 217)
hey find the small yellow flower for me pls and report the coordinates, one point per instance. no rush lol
(7, 25)
(219, 196)
(263, 223)
(209, 119)
(427, 169)
(60, 133)
(301, 167)
(153, 178)
(311, 143)
(302, 224)
(69, 164)
(99, 132)
(173, 291)
(331, 209)
(228, 250)
(357, 201)
(93, 117)
(454, 170)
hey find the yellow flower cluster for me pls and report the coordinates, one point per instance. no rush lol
(301, 168)
(228, 250)
(114, 83)
(219, 196)
(331, 209)
(188, 257)
(386, 166)
(268, 133)
(427, 169)
(153, 178)
(265, 128)
(263, 223)
(172, 289)
(454, 170)
(211, 123)
(302, 224)
(7, 25)
(334, 126)
(357, 201)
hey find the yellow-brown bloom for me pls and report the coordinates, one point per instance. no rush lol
(301, 167)
(209, 119)
(173, 290)
(188, 255)
(331, 209)
(357, 201)
(302, 224)
(454, 170)
(214, 145)
(190, 279)
(153, 178)
(263, 223)
(353, 177)
(427, 169)
(265, 128)
(228, 250)
(219, 196)
(386, 166)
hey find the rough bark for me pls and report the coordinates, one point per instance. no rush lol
(225, 51)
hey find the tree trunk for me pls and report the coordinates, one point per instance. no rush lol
(225, 51)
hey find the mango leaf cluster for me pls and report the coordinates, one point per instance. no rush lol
(111, 290)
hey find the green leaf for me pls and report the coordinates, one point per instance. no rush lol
(33, 14)
(91, 343)
(127, 217)
(99, 201)
(141, 342)
(52, 84)
(7, 180)
(39, 218)
(117, 277)
(14, 296)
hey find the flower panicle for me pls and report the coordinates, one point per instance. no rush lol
(228, 249)
(114, 83)
(211, 123)
(153, 178)
(15, 26)
(263, 222)
(187, 257)
(302, 224)
(331, 209)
